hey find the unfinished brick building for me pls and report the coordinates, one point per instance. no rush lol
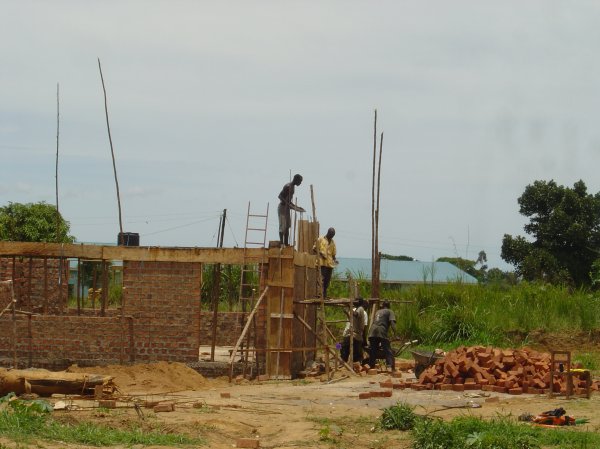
(160, 315)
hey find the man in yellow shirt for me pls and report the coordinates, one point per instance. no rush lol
(325, 247)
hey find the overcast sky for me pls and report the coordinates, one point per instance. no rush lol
(213, 104)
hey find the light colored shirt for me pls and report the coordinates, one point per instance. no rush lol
(359, 321)
(327, 251)
(346, 332)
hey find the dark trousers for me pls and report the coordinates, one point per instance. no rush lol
(357, 350)
(326, 277)
(375, 345)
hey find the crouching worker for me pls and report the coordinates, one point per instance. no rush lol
(359, 323)
(378, 336)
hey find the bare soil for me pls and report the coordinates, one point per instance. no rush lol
(281, 414)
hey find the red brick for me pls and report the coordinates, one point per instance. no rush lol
(107, 403)
(364, 395)
(247, 442)
(164, 407)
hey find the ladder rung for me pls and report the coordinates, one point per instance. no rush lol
(257, 229)
(258, 215)
(255, 243)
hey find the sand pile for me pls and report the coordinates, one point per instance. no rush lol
(159, 377)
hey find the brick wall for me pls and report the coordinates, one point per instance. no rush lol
(229, 328)
(56, 342)
(160, 317)
(38, 286)
(164, 300)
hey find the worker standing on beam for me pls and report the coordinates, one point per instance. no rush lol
(285, 207)
(325, 248)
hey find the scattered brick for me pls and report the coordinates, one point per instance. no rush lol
(164, 407)
(225, 395)
(247, 442)
(107, 403)
(381, 394)
(364, 395)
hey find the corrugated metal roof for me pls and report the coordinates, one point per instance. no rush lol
(402, 271)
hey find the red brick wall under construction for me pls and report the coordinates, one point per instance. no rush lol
(160, 320)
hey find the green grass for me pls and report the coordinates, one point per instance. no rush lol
(502, 432)
(457, 313)
(498, 433)
(400, 417)
(22, 423)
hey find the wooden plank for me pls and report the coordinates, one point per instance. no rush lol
(282, 315)
(279, 284)
(233, 256)
(35, 249)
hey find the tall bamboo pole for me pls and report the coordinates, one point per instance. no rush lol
(373, 207)
(56, 165)
(112, 152)
(216, 287)
(375, 280)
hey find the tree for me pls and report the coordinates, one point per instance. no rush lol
(33, 222)
(390, 257)
(468, 266)
(564, 224)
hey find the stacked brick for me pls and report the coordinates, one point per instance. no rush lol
(512, 371)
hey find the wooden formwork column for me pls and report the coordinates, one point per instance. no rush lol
(280, 312)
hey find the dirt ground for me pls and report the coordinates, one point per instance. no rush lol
(281, 414)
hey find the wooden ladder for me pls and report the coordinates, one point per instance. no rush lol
(251, 273)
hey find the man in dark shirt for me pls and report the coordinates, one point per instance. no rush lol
(378, 335)
(285, 207)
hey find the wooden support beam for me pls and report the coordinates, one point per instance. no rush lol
(233, 256)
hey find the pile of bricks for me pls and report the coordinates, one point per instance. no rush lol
(490, 369)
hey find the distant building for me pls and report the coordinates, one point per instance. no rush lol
(402, 272)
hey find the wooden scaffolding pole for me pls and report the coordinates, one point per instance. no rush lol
(243, 334)
(324, 343)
